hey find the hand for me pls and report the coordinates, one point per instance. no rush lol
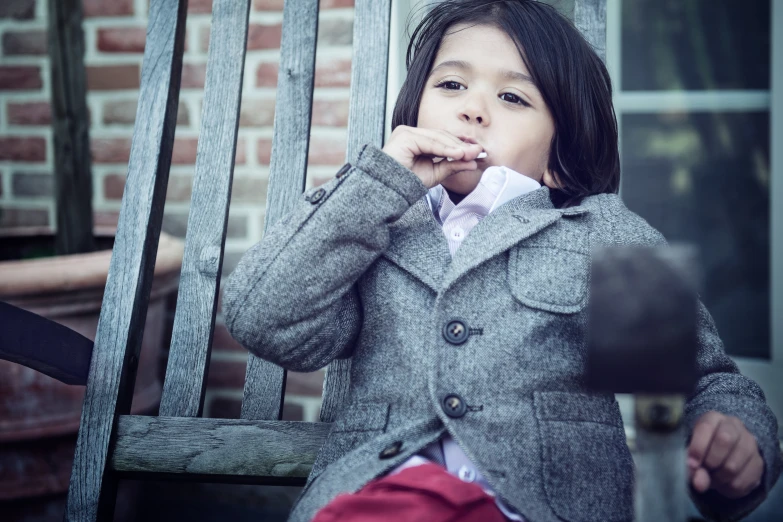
(414, 148)
(723, 455)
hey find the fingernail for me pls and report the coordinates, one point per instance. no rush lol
(692, 462)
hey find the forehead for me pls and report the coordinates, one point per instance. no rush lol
(483, 44)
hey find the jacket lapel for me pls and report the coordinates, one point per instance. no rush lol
(417, 243)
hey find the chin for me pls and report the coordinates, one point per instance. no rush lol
(463, 182)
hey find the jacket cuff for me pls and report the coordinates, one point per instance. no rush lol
(388, 171)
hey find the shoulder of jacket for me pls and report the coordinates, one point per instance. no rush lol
(617, 224)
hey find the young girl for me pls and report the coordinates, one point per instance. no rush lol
(452, 267)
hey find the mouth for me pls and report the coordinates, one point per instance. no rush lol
(468, 139)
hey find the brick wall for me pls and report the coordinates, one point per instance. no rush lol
(114, 40)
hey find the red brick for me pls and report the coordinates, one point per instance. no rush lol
(112, 77)
(110, 150)
(223, 342)
(199, 6)
(107, 8)
(20, 77)
(19, 9)
(264, 36)
(333, 72)
(330, 113)
(23, 217)
(122, 39)
(266, 74)
(257, 113)
(27, 148)
(32, 113)
(113, 186)
(193, 76)
(264, 150)
(326, 151)
(24, 43)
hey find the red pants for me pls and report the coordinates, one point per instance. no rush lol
(425, 493)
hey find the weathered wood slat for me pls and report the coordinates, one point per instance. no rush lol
(194, 323)
(71, 126)
(112, 374)
(590, 19)
(366, 122)
(265, 382)
(255, 451)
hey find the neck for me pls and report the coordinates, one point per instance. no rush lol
(454, 197)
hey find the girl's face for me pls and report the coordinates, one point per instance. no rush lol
(480, 90)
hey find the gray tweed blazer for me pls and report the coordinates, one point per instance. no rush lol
(361, 269)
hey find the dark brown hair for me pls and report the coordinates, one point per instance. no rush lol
(569, 74)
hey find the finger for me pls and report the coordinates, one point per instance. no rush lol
(747, 480)
(724, 440)
(701, 480)
(739, 458)
(702, 436)
(424, 144)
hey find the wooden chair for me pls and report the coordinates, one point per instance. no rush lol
(179, 443)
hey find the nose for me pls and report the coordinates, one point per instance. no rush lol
(475, 111)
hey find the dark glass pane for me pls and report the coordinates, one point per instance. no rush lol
(703, 178)
(695, 44)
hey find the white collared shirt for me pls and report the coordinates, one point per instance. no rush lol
(497, 186)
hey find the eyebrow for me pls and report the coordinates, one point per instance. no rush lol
(505, 73)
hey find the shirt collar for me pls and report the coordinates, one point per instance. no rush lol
(502, 183)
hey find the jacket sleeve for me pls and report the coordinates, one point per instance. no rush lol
(293, 298)
(722, 388)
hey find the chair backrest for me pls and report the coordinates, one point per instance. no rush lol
(113, 444)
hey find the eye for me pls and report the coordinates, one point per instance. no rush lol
(513, 98)
(450, 85)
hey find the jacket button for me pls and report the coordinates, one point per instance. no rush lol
(455, 332)
(316, 196)
(391, 450)
(454, 406)
(345, 168)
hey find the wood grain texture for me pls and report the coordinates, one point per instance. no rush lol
(265, 382)
(366, 122)
(121, 325)
(590, 19)
(194, 323)
(267, 452)
(71, 128)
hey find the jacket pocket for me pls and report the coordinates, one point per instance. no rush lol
(546, 275)
(588, 470)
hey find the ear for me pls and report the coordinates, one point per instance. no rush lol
(551, 179)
